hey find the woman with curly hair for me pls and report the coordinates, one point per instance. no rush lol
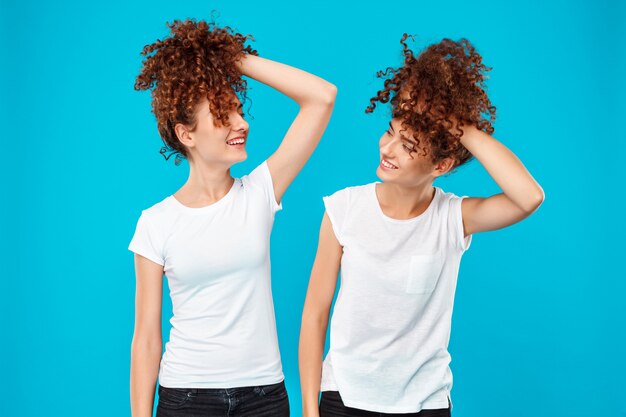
(211, 237)
(399, 243)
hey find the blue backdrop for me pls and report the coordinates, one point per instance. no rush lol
(539, 320)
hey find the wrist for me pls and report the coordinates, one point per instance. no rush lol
(470, 134)
(240, 63)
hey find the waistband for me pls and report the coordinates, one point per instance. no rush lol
(222, 391)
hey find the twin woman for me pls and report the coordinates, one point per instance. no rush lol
(398, 242)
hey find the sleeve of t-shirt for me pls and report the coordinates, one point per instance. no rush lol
(146, 241)
(455, 224)
(262, 178)
(337, 209)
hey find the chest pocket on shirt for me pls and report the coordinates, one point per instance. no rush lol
(424, 271)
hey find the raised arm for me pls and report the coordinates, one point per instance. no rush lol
(319, 297)
(521, 196)
(316, 98)
(147, 344)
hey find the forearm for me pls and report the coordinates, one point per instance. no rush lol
(301, 86)
(504, 167)
(144, 369)
(311, 351)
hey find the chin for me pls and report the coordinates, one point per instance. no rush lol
(235, 160)
(241, 157)
(383, 175)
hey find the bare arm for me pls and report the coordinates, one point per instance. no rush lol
(146, 347)
(521, 196)
(319, 297)
(316, 98)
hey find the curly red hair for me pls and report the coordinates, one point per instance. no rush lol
(195, 62)
(435, 93)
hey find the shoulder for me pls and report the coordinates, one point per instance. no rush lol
(447, 198)
(450, 206)
(160, 210)
(347, 200)
(351, 193)
(258, 180)
(339, 204)
(258, 176)
(451, 210)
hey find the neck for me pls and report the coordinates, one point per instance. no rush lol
(402, 202)
(206, 184)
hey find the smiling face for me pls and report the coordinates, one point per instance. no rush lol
(404, 163)
(211, 144)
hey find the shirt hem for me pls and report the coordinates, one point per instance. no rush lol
(146, 255)
(396, 410)
(217, 385)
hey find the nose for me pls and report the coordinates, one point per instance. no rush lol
(387, 148)
(238, 123)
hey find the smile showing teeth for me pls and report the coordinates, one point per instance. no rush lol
(388, 165)
(237, 141)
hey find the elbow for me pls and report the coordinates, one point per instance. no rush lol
(314, 319)
(327, 95)
(331, 92)
(535, 200)
(323, 97)
(147, 343)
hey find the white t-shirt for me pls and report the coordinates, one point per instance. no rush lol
(217, 262)
(391, 322)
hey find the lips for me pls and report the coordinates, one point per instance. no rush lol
(387, 165)
(236, 141)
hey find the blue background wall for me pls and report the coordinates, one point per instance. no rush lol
(540, 318)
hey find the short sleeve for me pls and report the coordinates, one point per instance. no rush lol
(146, 241)
(262, 178)
(455, 224)
(336, 206)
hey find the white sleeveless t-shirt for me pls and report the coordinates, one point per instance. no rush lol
(391, 322)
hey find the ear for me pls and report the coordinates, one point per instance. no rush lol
(443, 167)
(183, 135)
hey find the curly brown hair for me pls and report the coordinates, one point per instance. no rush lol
(429, 93)
(196, 61)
